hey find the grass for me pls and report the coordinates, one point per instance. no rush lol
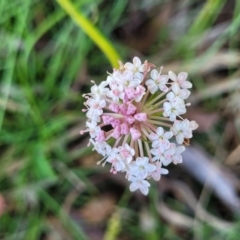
(49, 52)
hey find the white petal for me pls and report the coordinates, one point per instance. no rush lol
(145, 160)
(156, 176)
(179, 138)
(172, 117)
(152, 86)
(170, 96)
(149, 82)
(166, 161)
(172, 76)
(181, 110)
(175, 88)
(182, 76)
(133, 186)
(167, 135)
(138, 76)
(144, 189)
(163, 79)
(160, 131)
(153, 89)
(154, 74)
(154, 152)
(184, 93)
(136, 62)
(179, 150)
(186, 84)
(129, 66)
(193, 125)
(177, 159)
(185, 124)
(156, 144)
(128, 75)
(164, 171)
(150, 167)
(167, 106)
(177, 125)
(187, 133)
(102, 103)
(142, 68)
(163, 87)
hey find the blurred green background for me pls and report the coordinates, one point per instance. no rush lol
(50, 185)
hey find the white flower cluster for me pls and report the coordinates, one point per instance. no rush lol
(135, 121)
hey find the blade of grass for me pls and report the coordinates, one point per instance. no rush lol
(11, 59)
(80, 53)
(114, 225)
(97, 37)
(207, 16)
(74, 229)
(42, 166)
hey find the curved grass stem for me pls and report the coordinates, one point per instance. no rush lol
(97, 37)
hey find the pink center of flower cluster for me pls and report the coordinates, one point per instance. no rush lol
(125, 121)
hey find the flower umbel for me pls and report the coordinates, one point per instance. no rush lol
(134, 121)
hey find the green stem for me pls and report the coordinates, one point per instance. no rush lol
(91, 31)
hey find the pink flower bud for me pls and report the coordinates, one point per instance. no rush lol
(115, 122)
(123, 108)
(124, 128)
(131, 109)
(141, 117)
(107, 119)
(135, 134)
(114, 107)
(130, 119)
(116, 132)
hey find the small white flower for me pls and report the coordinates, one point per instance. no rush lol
(173, 109)
(138, 76)
(141, 167)
(96, 106)
(126, 153)
(177, 93)
(160, 138)
(165, 156)
(128, 79)
(177, 157)
(116, 93)
(117, 162)
(139, 183)
(101, 147)
(100, 91)
(156, 175)
(114, 78)
(181, 130)
(137, 66)
(93, 129)
(95, 109)
(157, 81)
(180, 79)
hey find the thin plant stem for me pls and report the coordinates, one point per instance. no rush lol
(97, 37)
